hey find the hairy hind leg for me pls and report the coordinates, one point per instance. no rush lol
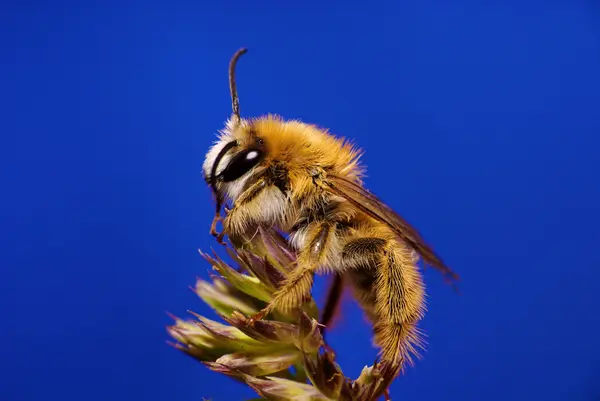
(400, 304)
(389, 287)
(360, 255)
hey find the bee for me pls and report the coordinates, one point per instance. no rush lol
(302, 180)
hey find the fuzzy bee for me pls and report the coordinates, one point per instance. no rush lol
(303, 181)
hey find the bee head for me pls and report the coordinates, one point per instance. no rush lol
(247, 147)
(237, 152)
(236, 156)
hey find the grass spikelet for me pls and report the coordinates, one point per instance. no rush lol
(283, 357)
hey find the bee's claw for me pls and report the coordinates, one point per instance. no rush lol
(386, 395)
(219, 236)
(213, 225)
(213, 230)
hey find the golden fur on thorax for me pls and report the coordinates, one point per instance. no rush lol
(301, 145)
(302, 180)
(301, 149)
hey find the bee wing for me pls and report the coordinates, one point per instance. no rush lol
(371, 205)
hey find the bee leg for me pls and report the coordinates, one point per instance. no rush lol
(220, 238)
(213, 226)
(236, 220)
(213, 229)
(361, 257)
(332, 303)
(297, 286)
(400, 305)
(295, 290)
(389, 287)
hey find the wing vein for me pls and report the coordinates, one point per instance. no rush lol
(374, 207)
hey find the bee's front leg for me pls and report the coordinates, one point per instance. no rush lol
(236, 226)
(213, 229)
(245, 208)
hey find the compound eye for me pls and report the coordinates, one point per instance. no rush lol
(241, 163)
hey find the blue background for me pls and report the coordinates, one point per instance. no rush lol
(480, 124)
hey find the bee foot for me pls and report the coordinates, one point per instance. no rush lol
(213, 225)
(386, 395)
(219, 237)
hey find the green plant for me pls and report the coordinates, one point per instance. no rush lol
(282, 358)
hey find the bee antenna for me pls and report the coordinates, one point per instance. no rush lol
(235, 101)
